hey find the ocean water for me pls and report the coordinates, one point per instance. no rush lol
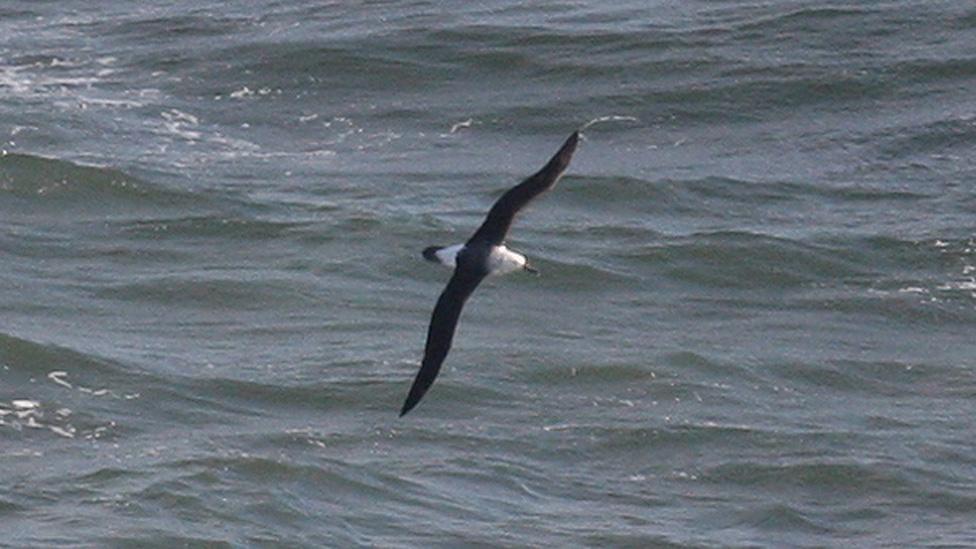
(754, 324)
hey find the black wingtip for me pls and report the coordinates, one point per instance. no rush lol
(411, 402)
(569, 147)
(421, 383)
(560, 161)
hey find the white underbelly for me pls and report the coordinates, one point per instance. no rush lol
(501, 261)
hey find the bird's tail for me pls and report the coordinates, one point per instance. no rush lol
(430, 253)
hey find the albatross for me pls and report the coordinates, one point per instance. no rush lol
(482, 255)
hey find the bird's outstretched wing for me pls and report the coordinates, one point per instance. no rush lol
(500, 217)
(441, 331)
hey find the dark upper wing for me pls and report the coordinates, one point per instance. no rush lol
(499, 219)
(441, 332)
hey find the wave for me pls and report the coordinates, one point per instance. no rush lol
(210, 293)
(741, 259)
(212, 226)
(860, 377)
(60, 391)
(183, 27)
(36, 360)
(851, 478)
(939, 138)
(81, 395)
(718, 197)
(804, 19)
(610, 374)
(37, 183)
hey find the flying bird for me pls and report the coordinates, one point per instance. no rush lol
(482, 255)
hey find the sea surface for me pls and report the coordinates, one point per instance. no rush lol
(755, 324)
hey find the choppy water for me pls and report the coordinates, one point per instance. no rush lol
(754, 325)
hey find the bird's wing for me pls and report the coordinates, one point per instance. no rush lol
(500, 217)
(441, 332)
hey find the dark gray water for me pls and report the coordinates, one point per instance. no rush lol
(754, 324)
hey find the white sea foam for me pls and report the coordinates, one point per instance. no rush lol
(608, 118)
(466, 124)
